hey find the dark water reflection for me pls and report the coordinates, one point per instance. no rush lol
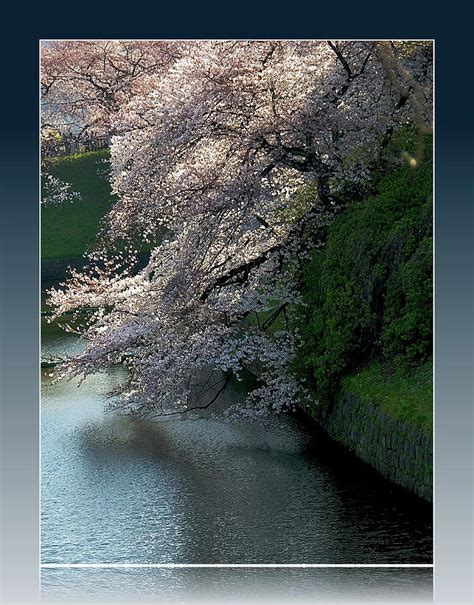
(238, 585)
(207, 491)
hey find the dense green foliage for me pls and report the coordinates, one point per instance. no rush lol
(68, 230)
(368, 293)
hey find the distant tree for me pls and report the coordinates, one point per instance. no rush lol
(243, 151)
(84, 82)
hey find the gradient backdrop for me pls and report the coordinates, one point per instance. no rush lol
(19, 258)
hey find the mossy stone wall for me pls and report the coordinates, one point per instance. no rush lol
(400, 451)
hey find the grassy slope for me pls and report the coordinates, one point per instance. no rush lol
(67, 230)
(405, 397)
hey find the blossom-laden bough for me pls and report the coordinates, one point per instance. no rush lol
(241, 152)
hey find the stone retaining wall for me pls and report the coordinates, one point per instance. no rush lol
(399, 451)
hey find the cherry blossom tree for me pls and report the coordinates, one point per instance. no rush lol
(242, 152)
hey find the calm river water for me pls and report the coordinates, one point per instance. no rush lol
(207, 491)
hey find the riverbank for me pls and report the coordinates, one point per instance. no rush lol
(366, 327)
(386, 421)
(400, 449)
(397, 450)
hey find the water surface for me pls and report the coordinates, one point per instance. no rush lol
(208, 491)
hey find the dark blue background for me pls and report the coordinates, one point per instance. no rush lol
(451, 28)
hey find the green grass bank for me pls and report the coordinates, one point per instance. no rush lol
(68, 230)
